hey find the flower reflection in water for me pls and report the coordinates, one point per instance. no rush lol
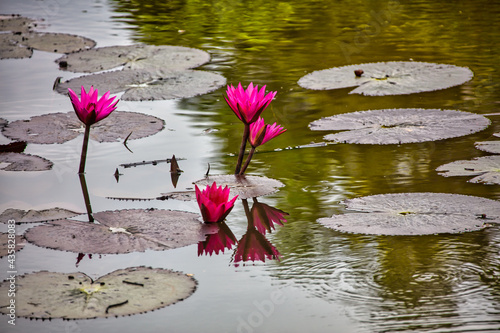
(253, 245)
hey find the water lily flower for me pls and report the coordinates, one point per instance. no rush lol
(247, 105)
(214, 202)
(260, 133)
(89, 109)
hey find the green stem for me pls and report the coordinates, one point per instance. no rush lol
(83, 158)
(246, 134)
(86, 197)
(247, 162)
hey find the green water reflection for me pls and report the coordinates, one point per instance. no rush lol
(401, 282)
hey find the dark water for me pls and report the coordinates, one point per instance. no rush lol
(326, 281)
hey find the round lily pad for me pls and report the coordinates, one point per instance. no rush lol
(23, 162)
(396, 126)
(244, 186)
(415, 214)
(62, 127)
(15, 45)
(34, 216)
(489, 146)
(136, 57)
(124, 292)
(388, 78)
(9, 242)
(16, 23)
(121, 231)
(144, 85)
(486, 169)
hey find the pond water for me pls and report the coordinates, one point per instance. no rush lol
(326, 281)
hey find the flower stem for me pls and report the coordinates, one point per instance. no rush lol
(246, 134)
(86, 197)
(83, 158)
(247, 162)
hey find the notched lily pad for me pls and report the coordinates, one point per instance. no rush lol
(142, 85)
(388, 78)
(23, 162)
(62, 127)
(396, 126)
(489, 146)
(135, 57)
(35, 216)
(415, 214)
(124, 292)
(121, 231)
(9, 242)
(245, 186)
(486, 169)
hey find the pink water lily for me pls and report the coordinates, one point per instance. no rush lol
(248, 104)
(89, 109)
(260, 133)
(214, 202)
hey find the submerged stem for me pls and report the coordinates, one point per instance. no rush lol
(83, 158)
(86, 197)
(246, 134)
(247, 162)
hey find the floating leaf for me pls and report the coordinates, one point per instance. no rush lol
(136, 57)
(16, 23)
(145, 85)
(388, 78)
(121, 231)
(62, 127)
(489, 146)
(129, 291)
(415, 214)
(23, 162)
(34, 216)
(244, 186)
(486, 169)
(396, 126)
(179, 195)
(9, 242)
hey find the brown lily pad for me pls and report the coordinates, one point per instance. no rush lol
(388, 78)
(135, 57)
(489, 146)
(35, 216)
(23, 162)
(486, 169)
(62, 127)
(9, 242)
(415, 214)
(121, 231)
(154, 84)
(397, 126)
(124, 292)
(16, 23)
(245, 186)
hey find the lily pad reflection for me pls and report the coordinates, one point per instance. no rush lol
(486, 169)
(388, 78)
(397, 126)
(124, 292)
(415, 214)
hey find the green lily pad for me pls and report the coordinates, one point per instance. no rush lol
(9, 242)
(486, 169)
(415, 214)
(121, 231)
(135, 57)
(62, 127)
(245, 186)
(489, 146)
(397, 126)
(388, 78)
(140, 85)
(23, 162)
(35, 216)
(15, 45)
(124, 292)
